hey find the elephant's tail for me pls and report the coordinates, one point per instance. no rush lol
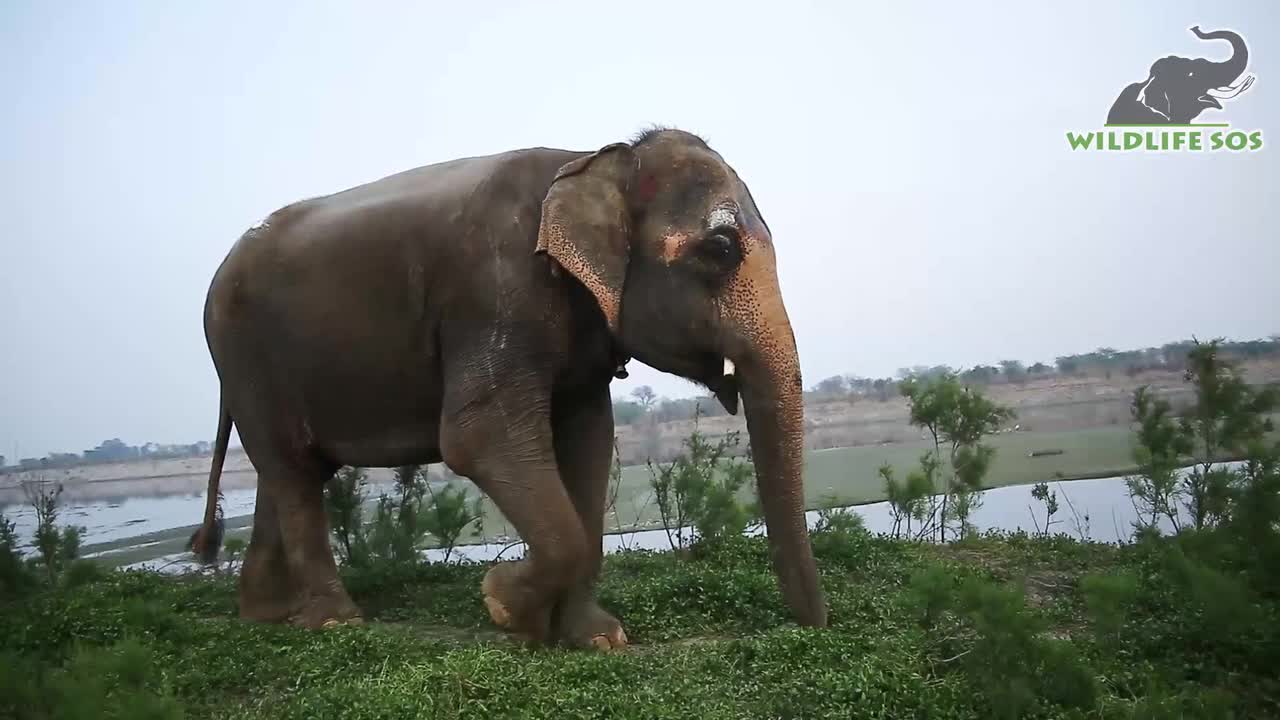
(207, 539)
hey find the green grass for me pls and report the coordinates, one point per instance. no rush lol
(850, 473)
(710, 639)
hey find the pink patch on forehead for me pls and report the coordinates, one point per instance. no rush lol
(647, 188)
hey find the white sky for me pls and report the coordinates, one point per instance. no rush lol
(910, 158)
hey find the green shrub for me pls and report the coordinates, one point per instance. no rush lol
(700, 488)
(958, 416)
(840, 521)
(908, 500)
(930, 591)
(449, 512)
(1158, 449)
(344, 498)
(402, 523)
(998, 643)
(1109, 599)
(16, 576)
(83, 572)
(121, 680)
(56, 547)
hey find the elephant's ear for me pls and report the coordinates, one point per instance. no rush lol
(586, 223)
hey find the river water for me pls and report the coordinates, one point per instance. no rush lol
(1099, 510)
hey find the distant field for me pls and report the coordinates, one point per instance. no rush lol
(851, 475)
(848, 474)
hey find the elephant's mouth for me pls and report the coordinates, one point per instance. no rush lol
(1209, 101)
(723, 381)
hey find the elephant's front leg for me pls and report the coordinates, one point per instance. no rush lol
(583, 436)
(499, 436)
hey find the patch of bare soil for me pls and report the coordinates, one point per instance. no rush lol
(443, 633)
(1043, 587)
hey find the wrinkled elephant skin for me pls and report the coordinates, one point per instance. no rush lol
(474, 312)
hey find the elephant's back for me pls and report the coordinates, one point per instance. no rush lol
(447, 187)
(394, 248)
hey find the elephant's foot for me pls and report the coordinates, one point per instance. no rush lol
(266, 600)
(514, 606)
(582, 623)
(575, 620)
(265, 610)
(334, 622)
(327, 611)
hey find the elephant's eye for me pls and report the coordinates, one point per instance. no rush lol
(721, 246)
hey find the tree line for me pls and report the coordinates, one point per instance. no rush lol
(644, 404)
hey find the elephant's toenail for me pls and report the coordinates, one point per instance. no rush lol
(331, 622)
(600, 642)
(497, 611)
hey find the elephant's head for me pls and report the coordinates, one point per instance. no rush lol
(1181, 88)
(668, 239)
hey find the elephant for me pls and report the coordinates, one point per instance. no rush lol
(1178, 89)
(475, 312)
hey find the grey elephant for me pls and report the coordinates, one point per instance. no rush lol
(1178, 89)
(474, 312)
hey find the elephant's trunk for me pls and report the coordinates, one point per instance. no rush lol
(773, 400)
(1227, 70)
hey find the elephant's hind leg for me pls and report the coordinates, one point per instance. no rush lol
(296, 569)
(267, 593)
(322, 598)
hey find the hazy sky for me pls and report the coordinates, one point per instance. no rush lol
(910, 158)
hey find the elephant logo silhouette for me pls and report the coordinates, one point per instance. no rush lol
(1178, 89)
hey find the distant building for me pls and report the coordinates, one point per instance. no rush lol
(112, 450)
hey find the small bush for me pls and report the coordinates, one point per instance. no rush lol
(840, 521)
(1109, 599)
(700, 488)
(55, 546)
(930, 591)
(118, 681)
(16, 576)
(401, 523)
(344, 498)
(448, 514)
(908, 500)
(1005, 653)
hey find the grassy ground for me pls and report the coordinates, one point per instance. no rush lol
(710, 639)
(847, 474)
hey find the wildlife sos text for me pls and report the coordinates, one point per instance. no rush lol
(1206, 140)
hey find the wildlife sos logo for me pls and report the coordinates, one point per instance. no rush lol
(1158, 114)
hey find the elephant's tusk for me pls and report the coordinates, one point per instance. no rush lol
(1231, 91)
(728, 367)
